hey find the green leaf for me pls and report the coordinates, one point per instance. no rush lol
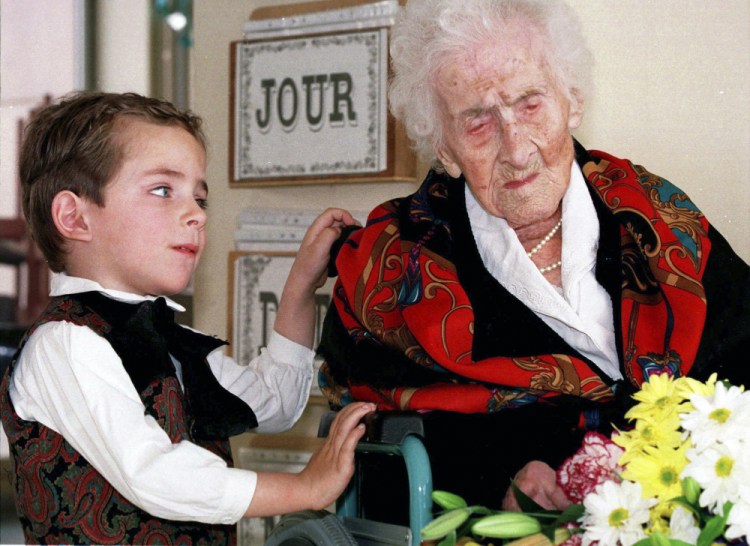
(449, 540)
(448, 501)
(445, 523)
(658, 539)
(549, 532)
(465, 529)
(685, 503)
(526, 503)
(714, 527)
(571, 514)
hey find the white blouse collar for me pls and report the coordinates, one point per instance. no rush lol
(505, 258)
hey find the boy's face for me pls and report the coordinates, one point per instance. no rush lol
(150, 233)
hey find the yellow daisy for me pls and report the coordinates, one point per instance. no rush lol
(686, 386)
(658, 470)
(658, 399)
(648, 432)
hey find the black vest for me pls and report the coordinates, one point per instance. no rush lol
(59, 496)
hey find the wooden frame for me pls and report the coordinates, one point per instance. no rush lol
(311, 108)
(256, 280)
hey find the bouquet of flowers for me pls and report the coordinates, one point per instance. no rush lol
(680, 476)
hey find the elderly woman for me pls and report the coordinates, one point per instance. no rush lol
(528, 279)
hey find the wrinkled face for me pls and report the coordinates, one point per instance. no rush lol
(150, 233)
(507, 124)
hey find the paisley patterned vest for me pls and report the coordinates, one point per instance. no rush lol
(59, 496)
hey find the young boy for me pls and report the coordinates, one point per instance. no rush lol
(118, 419)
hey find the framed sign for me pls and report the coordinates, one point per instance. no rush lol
(313, 108)
(256, 281)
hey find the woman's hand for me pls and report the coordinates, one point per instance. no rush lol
(539, 482)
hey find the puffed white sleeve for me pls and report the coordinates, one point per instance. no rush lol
(275, 384)
(71, 380)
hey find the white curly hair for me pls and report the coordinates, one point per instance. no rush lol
(427, 32)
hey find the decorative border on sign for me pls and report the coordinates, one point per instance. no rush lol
(248, 270)
(245, 168)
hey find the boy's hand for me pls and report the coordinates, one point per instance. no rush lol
(295, 319)
(324, 478)
(331, 467)
(311, 265)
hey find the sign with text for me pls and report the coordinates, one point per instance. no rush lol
(310, 106)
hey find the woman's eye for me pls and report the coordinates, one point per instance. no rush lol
(478, 124)
(161, 191)
(531, 105)
(476, 127)
(202, 203)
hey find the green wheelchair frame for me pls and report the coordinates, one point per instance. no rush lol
(394, 434)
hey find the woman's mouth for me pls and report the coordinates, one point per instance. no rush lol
(520, 182)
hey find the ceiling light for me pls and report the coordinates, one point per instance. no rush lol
(176, 21)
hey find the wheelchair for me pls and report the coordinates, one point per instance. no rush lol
(389, 434)
(472, 455)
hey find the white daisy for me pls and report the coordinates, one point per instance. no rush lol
(615, 514)
(682, 526)
(725, 414)
(738, 522)
(720, 470)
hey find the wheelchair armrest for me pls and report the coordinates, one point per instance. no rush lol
(382, 427)
(392, 433)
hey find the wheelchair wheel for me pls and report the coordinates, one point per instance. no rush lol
(310, 528)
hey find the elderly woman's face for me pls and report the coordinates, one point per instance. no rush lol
(507, 127)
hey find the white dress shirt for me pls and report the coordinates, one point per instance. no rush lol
(71, 380)
(581, 311)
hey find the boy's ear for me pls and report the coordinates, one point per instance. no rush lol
(68, 214)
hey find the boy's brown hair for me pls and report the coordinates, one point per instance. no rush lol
(73, 145)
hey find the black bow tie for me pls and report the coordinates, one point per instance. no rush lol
(156, 314)
(144, 335)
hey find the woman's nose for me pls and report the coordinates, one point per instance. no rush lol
(516, 148)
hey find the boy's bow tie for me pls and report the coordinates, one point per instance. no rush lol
(144, 335)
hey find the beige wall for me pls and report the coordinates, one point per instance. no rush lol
(672, 93)
(123, 50)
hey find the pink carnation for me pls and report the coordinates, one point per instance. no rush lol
(594, 463)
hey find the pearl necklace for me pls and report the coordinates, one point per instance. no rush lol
(548, 268)
(537, 248)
